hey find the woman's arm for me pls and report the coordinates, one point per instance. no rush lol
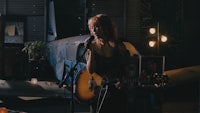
(90, 61)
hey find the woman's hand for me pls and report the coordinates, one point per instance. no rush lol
(87, 55)
(118, 85)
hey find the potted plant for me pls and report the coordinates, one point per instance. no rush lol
(35, 49)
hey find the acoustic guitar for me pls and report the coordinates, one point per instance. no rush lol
(84, 90)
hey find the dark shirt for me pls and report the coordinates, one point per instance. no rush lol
(112, 67)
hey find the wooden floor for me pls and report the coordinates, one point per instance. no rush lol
(180, 107)
(47, 97)
(61, 105)
(40, 105)
(32, 88)
(37, 97)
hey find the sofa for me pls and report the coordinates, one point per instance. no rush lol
(62, 56)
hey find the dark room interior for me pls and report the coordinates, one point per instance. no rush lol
(60, 26)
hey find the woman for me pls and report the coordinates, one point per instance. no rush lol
(108, 57)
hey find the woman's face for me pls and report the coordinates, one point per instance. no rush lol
(91, 29)
(95, 29)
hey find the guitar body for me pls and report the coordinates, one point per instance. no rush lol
(83, 90)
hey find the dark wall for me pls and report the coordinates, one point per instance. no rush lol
(33, 14)
(33, 11)
(179, 19)
(69, 16)
(1, 48)
(191, 32)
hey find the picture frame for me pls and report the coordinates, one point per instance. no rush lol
(14, 30)
(151, 71)
(152, 64)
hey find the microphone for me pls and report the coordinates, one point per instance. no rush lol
(88, 44)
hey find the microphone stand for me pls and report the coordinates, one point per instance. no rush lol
(72, 70)
(73, 85)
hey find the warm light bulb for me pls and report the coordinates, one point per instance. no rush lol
(152, 43)
(163, 38)
(152, 30)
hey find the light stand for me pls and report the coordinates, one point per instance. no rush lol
(158, 38)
